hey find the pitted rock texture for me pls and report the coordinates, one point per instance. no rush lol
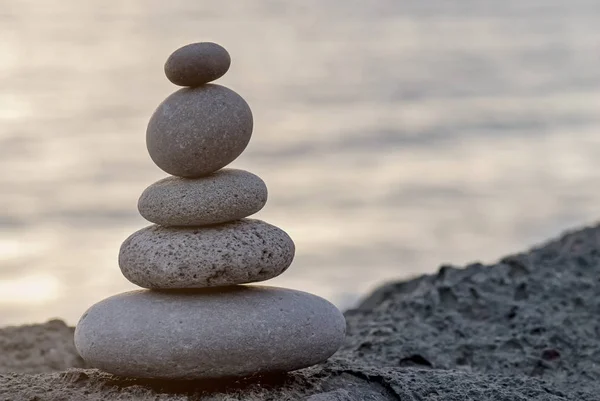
(197, 63)
(223, 332)
(525, 328)
(223, 196)
(239, 252)
(197, 131)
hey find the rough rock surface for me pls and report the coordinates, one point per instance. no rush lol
(243, 251)
(526, 328)
(38, 348)
(197, 63)
(223, 196)
(196, 131)
(215, 333)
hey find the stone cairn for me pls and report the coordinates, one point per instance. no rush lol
(196, 319)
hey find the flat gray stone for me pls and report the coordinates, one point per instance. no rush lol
(197, 131)
(197, 63)
(223, 196)
(233, 331)
(242, 251)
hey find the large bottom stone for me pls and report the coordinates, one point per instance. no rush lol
(209, 333)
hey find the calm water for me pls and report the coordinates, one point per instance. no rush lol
(393, 137)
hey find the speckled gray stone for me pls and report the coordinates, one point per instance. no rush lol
(197, 63)
(223, 196)
(232, 331)
(242, 251)
(196, 131)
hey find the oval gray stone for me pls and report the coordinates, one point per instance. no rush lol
(197, 131)
(201, 334)
(243, 251)
(197, 63)
(223, 196)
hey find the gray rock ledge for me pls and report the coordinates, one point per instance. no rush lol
(525, 328)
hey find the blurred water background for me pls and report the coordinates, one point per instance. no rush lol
(393, 136)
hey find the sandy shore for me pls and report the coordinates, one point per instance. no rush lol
(526, 328)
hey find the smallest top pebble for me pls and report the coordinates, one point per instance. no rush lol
(197, 63)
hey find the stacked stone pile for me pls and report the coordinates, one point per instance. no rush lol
(196, 318)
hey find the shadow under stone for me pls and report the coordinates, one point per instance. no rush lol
(220, 385)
